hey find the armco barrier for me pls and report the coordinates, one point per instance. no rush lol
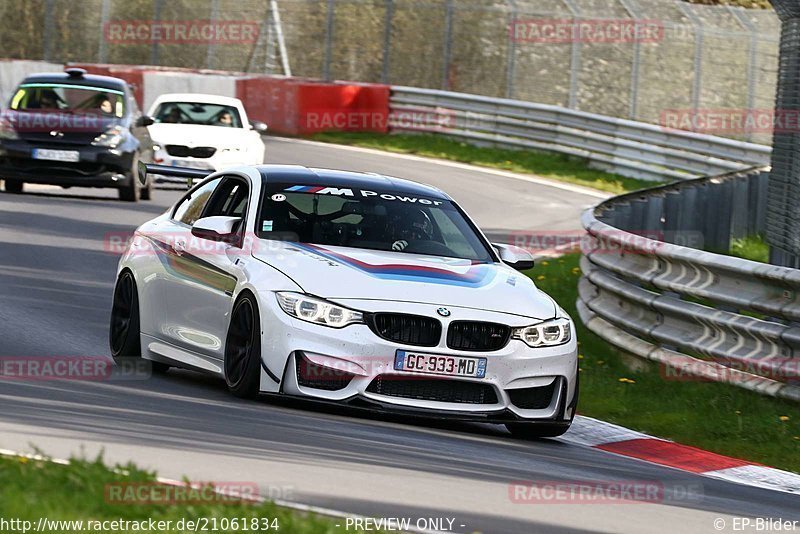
(629, 148)
(699, 314)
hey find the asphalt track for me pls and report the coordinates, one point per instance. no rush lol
(56, 280)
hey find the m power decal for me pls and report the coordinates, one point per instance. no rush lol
(363, 193)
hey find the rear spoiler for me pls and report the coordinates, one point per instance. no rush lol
(167, 170)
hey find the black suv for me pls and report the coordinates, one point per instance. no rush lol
(75, 129)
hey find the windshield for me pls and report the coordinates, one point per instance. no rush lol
(69, 98)
(374, 220)
(198, 113)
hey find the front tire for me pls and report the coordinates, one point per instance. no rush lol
(14, 187)
(124, 331)
(243, 349)
(130, 192)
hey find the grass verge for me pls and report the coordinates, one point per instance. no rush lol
(716, 417)
(83, 491)
(752, 247)
(553, 166)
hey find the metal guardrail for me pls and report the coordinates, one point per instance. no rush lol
(626, 147)
(698, 313)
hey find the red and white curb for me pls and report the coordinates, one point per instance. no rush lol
(625, 442)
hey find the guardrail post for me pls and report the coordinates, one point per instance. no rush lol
(653, 215)
(672, 216)
(740, 218)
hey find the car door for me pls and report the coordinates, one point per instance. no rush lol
(205, 273)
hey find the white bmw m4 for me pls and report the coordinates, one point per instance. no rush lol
(345, 287)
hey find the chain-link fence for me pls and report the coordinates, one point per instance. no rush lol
(709, 68)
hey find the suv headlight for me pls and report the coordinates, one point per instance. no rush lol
(7, 130)
(318, 311)
(546, 334)
(111, 137)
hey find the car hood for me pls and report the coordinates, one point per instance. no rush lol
(196, 135)
(339, 273)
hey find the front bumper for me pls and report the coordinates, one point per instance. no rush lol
(293, 350)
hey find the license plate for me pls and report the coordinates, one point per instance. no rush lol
(435, 364)
(191, 164)
(56, 155)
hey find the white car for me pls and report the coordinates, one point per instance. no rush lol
(349, 287)
(204, 132)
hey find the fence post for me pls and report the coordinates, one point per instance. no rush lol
(512, 50)
(49, 29)
(698, 53)
(448, 35)
(752, 65)
(575, 60)
(326, 67)
(211, 44)
(102, 48)
(157, 5)
(633, 106)
(387, 40)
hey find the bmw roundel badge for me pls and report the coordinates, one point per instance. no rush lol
(444, 312)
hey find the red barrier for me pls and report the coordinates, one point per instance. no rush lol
(303, 107)
(292, 106)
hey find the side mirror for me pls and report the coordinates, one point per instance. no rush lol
(216, 228)
(143, 121)
(259, 127)
(141, 172)
(515, 257)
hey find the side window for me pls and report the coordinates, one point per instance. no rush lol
(229, 200)
(190, 208)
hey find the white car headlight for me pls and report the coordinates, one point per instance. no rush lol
(317, 311)
(546, 334)
(111, 137)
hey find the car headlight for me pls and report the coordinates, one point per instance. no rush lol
(546, 334)
(111, 137)
(317, 311)
(7, 130)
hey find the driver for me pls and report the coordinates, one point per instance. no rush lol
(174, 116)
(412, 225)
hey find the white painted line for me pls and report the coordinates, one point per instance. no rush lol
(456, 165)
(761, 476)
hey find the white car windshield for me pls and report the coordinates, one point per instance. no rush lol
(198, 113)
(374, 220)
